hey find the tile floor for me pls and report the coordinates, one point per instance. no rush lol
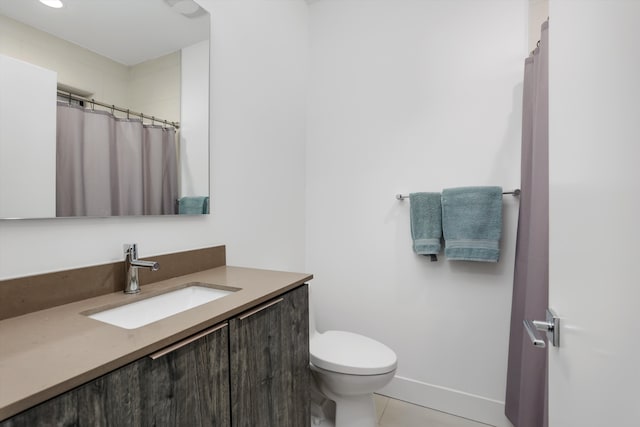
(396, 413)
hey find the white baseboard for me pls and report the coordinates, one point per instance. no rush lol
(455, 402)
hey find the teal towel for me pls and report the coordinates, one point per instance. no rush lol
(472, 223)
(426, 222)
(193, 205)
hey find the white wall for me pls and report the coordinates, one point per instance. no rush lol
(194, 134)
(538, 13)
(154, 87)
(259, 68)
(26, 92)
(414, 96)
(257, 99)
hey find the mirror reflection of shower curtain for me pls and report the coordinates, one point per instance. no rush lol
(109, 166)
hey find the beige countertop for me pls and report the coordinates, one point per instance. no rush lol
(48, 352)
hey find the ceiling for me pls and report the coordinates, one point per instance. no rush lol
(127, 31)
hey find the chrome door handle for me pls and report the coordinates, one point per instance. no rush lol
(531, 331)
(551, 326)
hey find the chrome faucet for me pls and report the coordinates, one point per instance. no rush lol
(132, 263)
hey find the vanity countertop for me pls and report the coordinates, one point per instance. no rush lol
(48, 352)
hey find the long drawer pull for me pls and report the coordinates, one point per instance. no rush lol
(262, 307)
(186, 341)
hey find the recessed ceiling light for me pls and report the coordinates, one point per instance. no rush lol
(52, 3)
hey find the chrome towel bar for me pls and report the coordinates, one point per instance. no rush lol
(515, 192)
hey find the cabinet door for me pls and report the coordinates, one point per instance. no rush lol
(270, 363)
(188, 383)
(113, 400)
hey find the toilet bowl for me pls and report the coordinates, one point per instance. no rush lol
(348, 368)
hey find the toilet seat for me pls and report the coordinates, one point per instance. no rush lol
(349, 353)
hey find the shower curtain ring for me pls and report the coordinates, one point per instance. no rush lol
(127, 114)
(69, 98)
(153, 120)
(93, 104)
(113, 107)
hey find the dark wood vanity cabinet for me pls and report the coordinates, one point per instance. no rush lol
(269, 353)
(250, 372)
(186, 384)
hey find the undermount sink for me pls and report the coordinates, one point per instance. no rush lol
(139, 313)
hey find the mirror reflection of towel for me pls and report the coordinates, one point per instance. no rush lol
(193, 205)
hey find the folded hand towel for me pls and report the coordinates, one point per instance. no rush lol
(472, 223)
(193, 205)
(426, 223)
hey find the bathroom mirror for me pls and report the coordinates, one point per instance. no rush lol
(101, 62)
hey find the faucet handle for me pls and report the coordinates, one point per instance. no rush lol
(131, 249)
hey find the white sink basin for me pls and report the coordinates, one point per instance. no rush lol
(149, 310)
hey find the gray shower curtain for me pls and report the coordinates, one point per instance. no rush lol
(526, 394)
(110, 166)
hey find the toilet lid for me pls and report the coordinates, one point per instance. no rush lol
(349, 353)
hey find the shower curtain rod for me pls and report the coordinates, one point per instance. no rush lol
(515, 192)
(72, 97)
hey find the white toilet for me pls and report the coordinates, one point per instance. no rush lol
(347, 369)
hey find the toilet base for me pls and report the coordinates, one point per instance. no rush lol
(321, 422)
(354, 404)
(356, 411)
(329, 409)
(353, 411)
(323, 409)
